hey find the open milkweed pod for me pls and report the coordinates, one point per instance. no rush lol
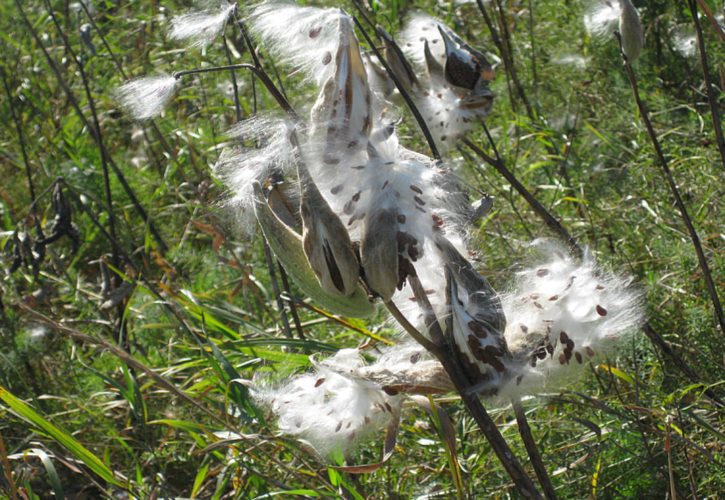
(453, 79)
(287, 247)
(341, 116)
(476, 322)
(325, 241)
(397, 61)
(630, 28)
(379, 252)
(465, 67)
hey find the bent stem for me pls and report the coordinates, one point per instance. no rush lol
(704, 267)
(524, 484)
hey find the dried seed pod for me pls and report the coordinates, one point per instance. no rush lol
(379, 252)
(397, 61)
(630, 28)
(342, 113)
(325, 241)
(287, 247)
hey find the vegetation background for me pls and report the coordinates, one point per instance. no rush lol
(131, 306)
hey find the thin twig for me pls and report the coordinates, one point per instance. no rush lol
(704, 267)
(711, 99)
(540, 210)
(528, 438)
(7, 470)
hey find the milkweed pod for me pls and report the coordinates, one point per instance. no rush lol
(435, 70)
(397, 61)
(379, 252)
(465, 66)
(287, 247)
(630, 28)
(326, 242)
(343, 109)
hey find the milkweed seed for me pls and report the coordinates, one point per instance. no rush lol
(319, 382)
(542, 272)
(326, 58)
(601, 311)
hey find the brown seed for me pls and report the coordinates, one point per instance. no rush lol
(326, 58)
(562, 358)
(319, 382)
(367, 420)
(578, 357)
(542, 272)
(519, 379)
(401, 219)
(601, 311)
(534, 296)
(590, 352)
(416, 189)
(599, 287)
(478, 329)
(414, 358)
(524, 328)
(337, 189)
(338, 427)
(385, 184)
(563, 337)
(419, 200)
(314, 32)
(554, 297)
(356, 196)
(538, 306)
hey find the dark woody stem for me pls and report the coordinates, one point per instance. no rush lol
(522, 481)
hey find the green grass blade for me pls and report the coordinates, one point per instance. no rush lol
(25, 412)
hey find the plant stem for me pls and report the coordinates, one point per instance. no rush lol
(711, 99)
(444, 353)
(540, 210)
(528, 438)
(704, 267)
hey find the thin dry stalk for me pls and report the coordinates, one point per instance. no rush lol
(711, 98)
(528, 438)
(7, 470)
(704, 267)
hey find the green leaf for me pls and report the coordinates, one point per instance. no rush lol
(25, 412)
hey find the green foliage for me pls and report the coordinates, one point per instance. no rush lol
(194, 305)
